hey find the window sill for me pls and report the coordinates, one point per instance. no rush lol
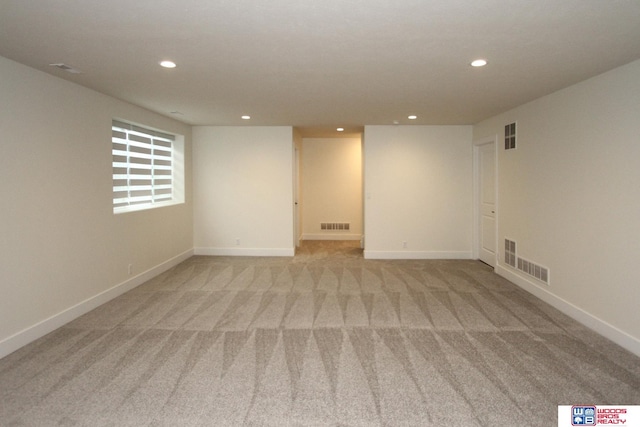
(137, 208)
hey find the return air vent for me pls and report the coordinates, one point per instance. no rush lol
(510, 136)
(534, 270)
(510, 252)
(333, 226)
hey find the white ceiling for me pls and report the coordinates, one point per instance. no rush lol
(325, 63)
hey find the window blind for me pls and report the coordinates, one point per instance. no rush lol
(142, 166)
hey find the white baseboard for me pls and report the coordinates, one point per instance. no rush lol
(415, 255)
(331, 236)
(283, 252)
(605, 329)
(40, 329)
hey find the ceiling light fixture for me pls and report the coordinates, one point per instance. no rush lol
(246, 117)
(479, 63)
(168, 64)
(412, 117)
(340, 129)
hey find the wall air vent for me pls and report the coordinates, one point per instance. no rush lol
(510, 252)
(335, 226)
(534, 270)
(510, 136)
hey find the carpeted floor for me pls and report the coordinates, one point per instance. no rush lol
(322, 339)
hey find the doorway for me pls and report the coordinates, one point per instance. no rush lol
(331, 189)
(296, 194)
(485, 195)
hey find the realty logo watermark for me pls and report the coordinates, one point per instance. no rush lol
(596, 415)
(583, 415)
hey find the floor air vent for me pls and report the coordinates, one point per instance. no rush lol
(333, 226)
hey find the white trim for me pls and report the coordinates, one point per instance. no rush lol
(40, 329)
(283, 252)
(605, 329)
(415, 255)
(332, 236)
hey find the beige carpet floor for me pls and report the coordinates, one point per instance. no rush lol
(325, 338)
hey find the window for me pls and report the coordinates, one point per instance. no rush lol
(145, 166)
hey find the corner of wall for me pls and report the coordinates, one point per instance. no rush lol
(605, 329)
(28, 335)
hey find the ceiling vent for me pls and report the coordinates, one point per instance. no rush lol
(66, 68)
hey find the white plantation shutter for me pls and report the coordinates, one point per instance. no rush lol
(142, 167)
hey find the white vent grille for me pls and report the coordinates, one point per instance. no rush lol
(534, 270)
(510, 136)
(334, 226)
(510, 252)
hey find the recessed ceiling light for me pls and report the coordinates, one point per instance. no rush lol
(246, 117)
(479, 63)
(168, 64)
(412, 117)
(340, 129)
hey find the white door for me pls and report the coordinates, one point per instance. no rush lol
(487, 200)
(296, 197)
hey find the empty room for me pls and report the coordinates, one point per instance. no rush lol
(336, 213)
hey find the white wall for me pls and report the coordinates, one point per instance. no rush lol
(332, 183)
(418, 190)
(63, 250)
(569, 196)
(243, 190)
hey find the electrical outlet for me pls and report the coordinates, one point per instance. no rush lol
(130, 269)
(237, 242)
(404, 245)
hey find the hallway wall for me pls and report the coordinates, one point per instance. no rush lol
(332, 187)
